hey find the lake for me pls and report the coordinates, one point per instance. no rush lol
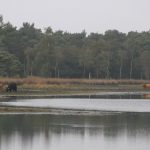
(127, 129)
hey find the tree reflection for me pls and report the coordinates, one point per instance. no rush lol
(30, 127)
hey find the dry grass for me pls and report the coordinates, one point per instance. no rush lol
(48, 81)
(40, 85)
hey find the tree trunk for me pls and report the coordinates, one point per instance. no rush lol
(31, 69)
(56, 70)
(58, 74)
(107, 69)
(131, 67)
(83, 71)
(27, 66)
(97, 74)
(89, 75)
(24, 68)
(120, 69)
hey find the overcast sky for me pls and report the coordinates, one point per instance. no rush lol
(76, 15)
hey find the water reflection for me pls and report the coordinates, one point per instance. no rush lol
(43, 132)
(98, 95)
(90, 105)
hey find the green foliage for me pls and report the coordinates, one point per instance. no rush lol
(29, 51)
(9, 65)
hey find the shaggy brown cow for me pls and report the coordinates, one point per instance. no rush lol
(146, 85)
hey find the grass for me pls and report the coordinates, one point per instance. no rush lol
(39, 80)
(46, 86)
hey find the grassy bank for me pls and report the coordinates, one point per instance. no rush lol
(47, 81)
(46, 86)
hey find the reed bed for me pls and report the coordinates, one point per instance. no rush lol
(54, 85)
(59, 81)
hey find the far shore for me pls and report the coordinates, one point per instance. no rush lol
(35, 87)
(38, 87)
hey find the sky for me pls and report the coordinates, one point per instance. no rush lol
(78, 15)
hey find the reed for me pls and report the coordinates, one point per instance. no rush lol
(59, 81)
(39, 85)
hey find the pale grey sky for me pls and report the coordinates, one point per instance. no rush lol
(76, 15)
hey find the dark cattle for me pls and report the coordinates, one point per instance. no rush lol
(12, 87)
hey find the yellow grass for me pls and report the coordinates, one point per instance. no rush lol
(62, 85)
(39, 81)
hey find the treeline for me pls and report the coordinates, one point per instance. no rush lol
(30, 51)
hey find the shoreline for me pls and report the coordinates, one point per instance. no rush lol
(96, 93)
(65, 90)
(12, 110)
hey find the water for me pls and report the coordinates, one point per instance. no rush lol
(113, 101)
(128, 129)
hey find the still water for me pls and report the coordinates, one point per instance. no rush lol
(112, 101)
(124, 131)
(123, 124)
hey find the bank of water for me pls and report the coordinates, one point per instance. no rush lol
(107, 121)
(109, 101)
